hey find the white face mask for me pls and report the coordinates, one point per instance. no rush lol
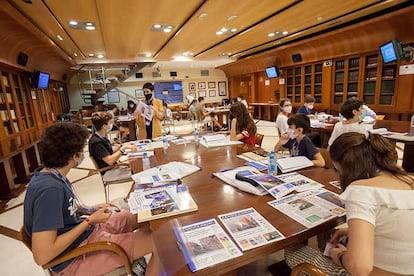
(287, 109)
(291, 133)
(80, 160)
(110, 127)
(310, 106)
(131, 105)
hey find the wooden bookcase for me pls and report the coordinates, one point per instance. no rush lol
(346, 79)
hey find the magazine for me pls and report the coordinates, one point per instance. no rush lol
(249, 228)
(302, 210)
(272, 184)
(205, 244)
(295, 163)
(162, 201)
(258, 165)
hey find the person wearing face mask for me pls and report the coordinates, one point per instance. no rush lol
(241, 99)
(297, 142)
(53, 212)
(354, 114)
(131, 106)
(149, 129)
(100, 147)
(285, 107)
(307, 107)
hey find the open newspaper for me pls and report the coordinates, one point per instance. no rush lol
(229, 176)
(249, 228)
(205, 244)
(301, 182)
(169, 172)
(162, 201)
(295, 163)
(145, 111)
(310, 208)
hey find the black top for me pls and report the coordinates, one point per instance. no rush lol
(99, 147)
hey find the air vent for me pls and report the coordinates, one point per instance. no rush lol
(156, 74)
(204, 73)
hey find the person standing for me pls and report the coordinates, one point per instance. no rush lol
(285, 107)
(150, 128)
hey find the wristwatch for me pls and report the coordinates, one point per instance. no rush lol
(122, 150)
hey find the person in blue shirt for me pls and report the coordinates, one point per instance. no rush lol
(307, 107)
(297, 142)
(53, 212)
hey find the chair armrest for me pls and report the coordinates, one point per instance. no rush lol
(91, 247)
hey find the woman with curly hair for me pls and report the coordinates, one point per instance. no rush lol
(242, 127)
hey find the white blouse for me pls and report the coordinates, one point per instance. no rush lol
(340, 128)
(392, 214)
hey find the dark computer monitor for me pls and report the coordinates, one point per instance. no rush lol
(272, 72)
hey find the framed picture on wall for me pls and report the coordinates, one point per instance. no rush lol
(113, 97)
(202, 93)
(211, 84)
(211, 93)
(139, 93)
(191, 87)
(222, 88)
(201, 85)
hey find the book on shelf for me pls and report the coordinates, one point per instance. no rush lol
(289, 164)
(166, 173)
(4, 115)
(162, 201)
(204, 244)
(250, 229)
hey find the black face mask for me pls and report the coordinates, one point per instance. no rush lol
(148, 96)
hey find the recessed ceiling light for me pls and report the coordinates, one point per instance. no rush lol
(59, 37)
(233, 30)
(73, 23)
(75, 54)
(167, 30)
(90, 28)
(271, 34)
(91, 55)
(156, 26)
(219, 33)
(231, 17)
(202, 15)
(100, 56)
(285, 32)
(89, 24)
(147, 54)
(319, 18)
(224, 30)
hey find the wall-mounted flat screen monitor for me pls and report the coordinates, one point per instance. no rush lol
(272, 72)
(43, 80)
(391, 51)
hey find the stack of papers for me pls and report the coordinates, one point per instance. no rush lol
(218, 140)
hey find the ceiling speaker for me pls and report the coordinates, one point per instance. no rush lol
(297, 58)
(22, 59)
(204, 73)
(139, 75)
(173, 74)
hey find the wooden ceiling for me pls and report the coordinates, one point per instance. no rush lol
(123, 27)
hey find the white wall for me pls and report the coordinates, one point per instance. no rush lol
(130, 85)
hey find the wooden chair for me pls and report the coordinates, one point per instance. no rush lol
(380, 117)
(306, 269)
(259, 139)
(116, 174)
(325, 154)
(81, 250)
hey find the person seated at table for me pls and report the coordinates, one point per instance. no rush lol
(240, 98)
(307, 106)
(377, 195)
(100, 147)
(149, 129)
(242, 126)
(370, 115)
(297, 142)
(123, 131)
(285, 107)
(353, 113)
(206, 116)
(52, 212)
(167, 111)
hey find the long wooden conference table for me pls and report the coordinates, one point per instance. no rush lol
(214, 197)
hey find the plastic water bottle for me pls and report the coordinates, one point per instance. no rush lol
(412, 126)
(164, 141)
(272, 166)
(196, 135)
(145, 162)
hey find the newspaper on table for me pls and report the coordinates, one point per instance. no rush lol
(302, 210)
(161, 201)
(171, 171)
(217, 140)
(139, 154)
(229, 176)
(326, 199)
(301, 182)
(249, 228)
(147, 145)
(271, 183)
(257, 164)
(205, 244)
